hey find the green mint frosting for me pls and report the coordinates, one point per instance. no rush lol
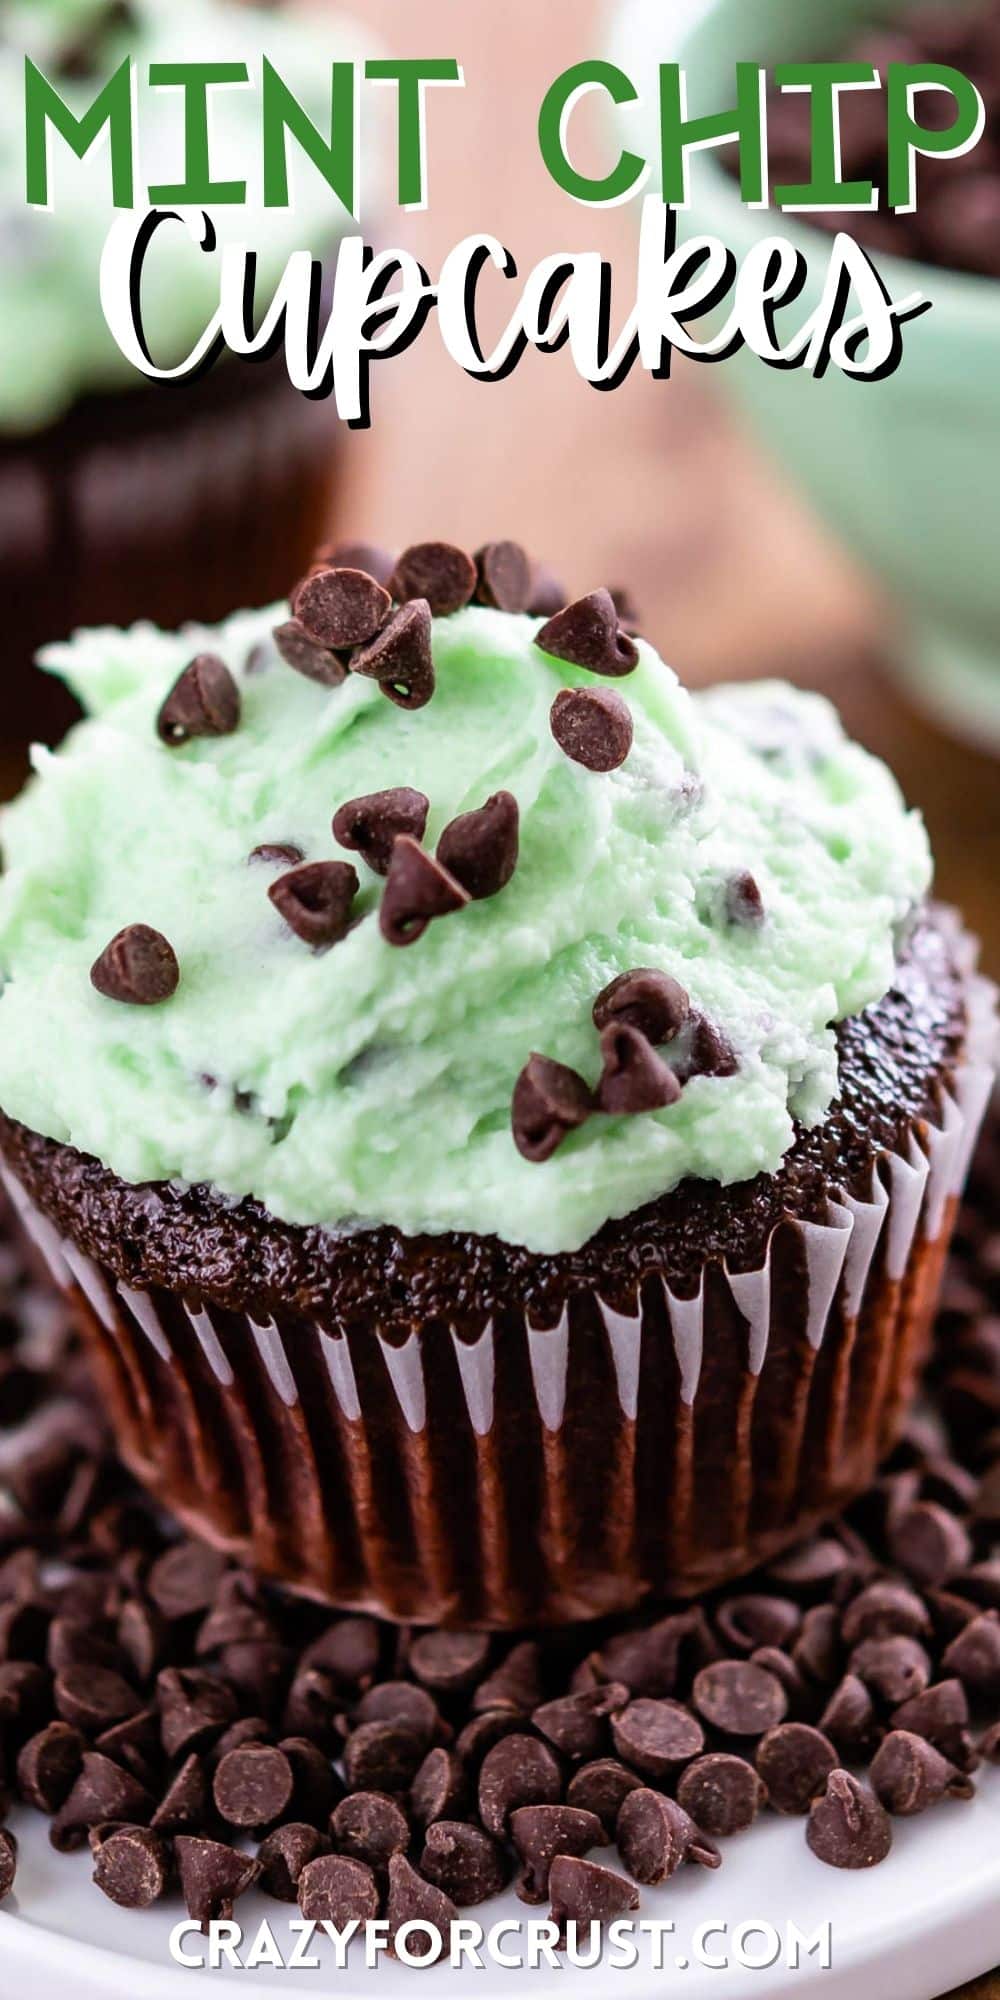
(54, 343)
(370, 1084)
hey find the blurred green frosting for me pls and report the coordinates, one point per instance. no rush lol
(370, 1084)
(54, 343)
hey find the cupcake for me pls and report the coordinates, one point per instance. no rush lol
(500, 1115)
(123, 498)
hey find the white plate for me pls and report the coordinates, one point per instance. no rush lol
(927, 1919)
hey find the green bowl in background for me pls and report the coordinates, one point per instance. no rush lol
(906, 470)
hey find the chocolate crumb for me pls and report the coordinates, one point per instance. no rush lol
(744, 902)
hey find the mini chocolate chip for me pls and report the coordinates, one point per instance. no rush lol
(371, 1828)
(304, 656)
(134, 1742)
(656, 1736)
(592, 726)
(338, 608)
(801, 1699)
(204, 701)
(437, 571)
(48, 1766)
(184, 1580)
(539, 1833)
(848, 1827)
(246, 1729)
(366, 556)
(634, 1078)
(655, 1835)
(817, 1650)
(753, 1620)
(644, 999)
(503, 576)
(584, 1893)
(884, 1608)
(549, 1100)
(102, 1791)
(195, 1708)
(739, 1698)
(974, 1657)
(723, 1794)
(463, 1861)
(518, 1771)
(370, 826)
(91, 1698)
(548, 593)
(282, 853)
(482, 1731)
(440, 1788)
(212, 1876)
(382, 1757)
(893, 1668)
(908, 1774)
(588, 634)
(316, 1786)
(132, 1867)
(794, 1761)
(578, 1724)
(600, 1787)
(811, 1566)
(348, 1649)
(252, 1786)
(400, 1701)
(931, 1544)
(138, 967)
(8, 1861)
(315, 900)
(849, 1717)
(709, 1052)
(284, 1854)
(941, 1714)
(400, 659)
(515, 1684)
(311, 1707)
(744, 902)
(449, 1661)
(480, 848)
(335, 1889)
(417, 889)
(185, 1803)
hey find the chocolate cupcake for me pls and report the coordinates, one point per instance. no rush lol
(121, 498)
(500, 1115)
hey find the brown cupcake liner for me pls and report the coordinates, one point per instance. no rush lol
(537, 1474)
(170, 502)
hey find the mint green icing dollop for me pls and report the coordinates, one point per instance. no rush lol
(54, 342)
(370, 1084)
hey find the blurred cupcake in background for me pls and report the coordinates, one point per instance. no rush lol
(121, 497)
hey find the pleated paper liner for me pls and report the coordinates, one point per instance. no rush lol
(537, 1474)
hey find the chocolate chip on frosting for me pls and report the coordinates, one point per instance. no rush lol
(400, 658)
(278, 851)
(204, 701)
(588, 634)
(634, 1078)
(315, 900)
(438, 571)
(371, 825)
(138, 967)
(645, 999)
(417, 889)
(549, 1100)
(744, 902)
(503, 576)
(301, 653)
(593, 726)
(340, 607)
(367, 556)
(480, 848)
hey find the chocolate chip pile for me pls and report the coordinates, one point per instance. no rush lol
(204, 1732)
(956, 222)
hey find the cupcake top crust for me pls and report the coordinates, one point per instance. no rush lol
(396, 906)
(54, 343)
